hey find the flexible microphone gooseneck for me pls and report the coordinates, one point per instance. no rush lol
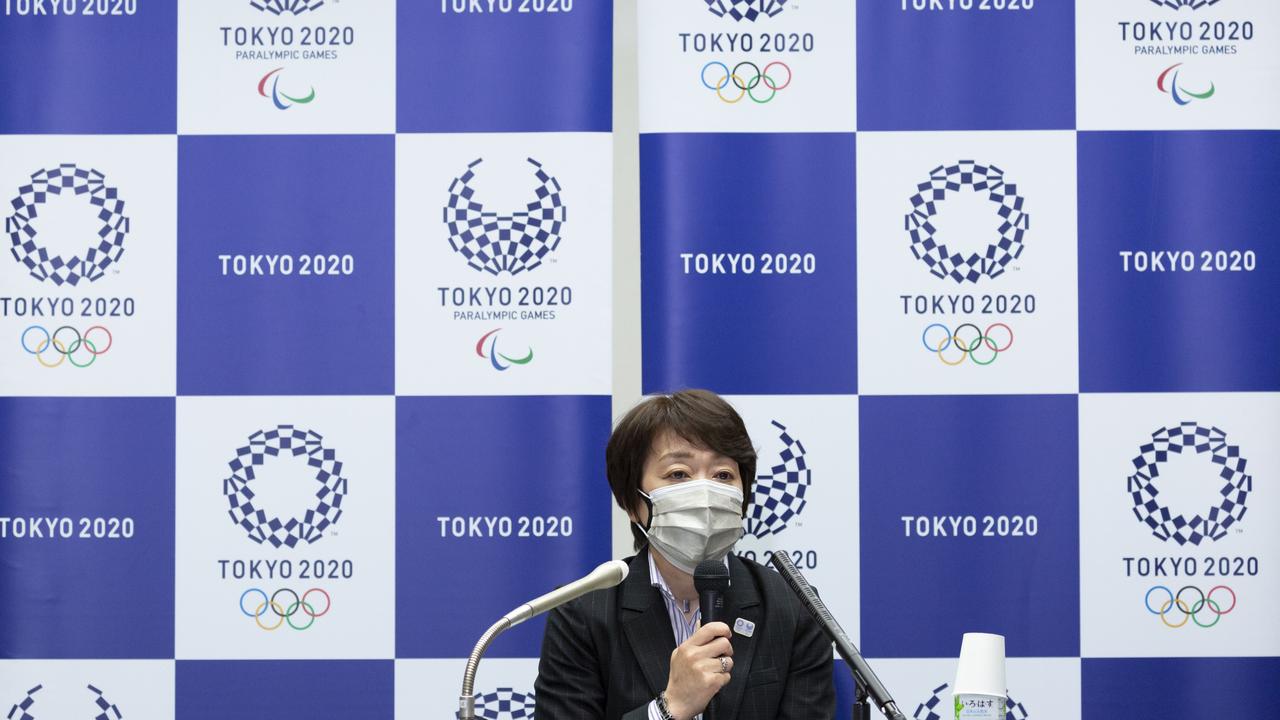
(606, 575)
(861, 670)
(711, 580)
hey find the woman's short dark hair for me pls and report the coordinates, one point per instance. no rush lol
(700, 417)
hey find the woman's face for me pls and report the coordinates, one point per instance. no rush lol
(672, 459)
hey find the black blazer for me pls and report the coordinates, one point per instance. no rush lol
(606, 655)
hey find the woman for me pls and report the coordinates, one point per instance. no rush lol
(682, 467)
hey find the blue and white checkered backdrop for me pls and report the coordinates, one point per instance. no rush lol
(991, 282)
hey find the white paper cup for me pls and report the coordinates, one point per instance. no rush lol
(981, 667)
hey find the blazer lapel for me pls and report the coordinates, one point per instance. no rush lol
(646, 624)
(743, 602)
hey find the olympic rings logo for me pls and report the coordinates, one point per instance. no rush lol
(284, 614)
(67, 351)
(1190, 612)
(981, 349)
(746, 84)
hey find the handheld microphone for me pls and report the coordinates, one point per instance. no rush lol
(711, 580)
(604, 576)
(861, 670)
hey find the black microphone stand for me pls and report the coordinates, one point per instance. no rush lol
(861, 699)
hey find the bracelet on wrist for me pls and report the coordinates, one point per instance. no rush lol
(662, 707)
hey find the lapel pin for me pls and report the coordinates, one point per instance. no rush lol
(745, 628)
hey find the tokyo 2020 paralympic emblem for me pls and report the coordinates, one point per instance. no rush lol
(1225, 468)
(748, 10)
(1178, 4)
(281, 7)
(779, 496)
(101, 250)
(505, 703)
(1011, 222)
(512, 242)
(101, 709)
(285, 440)
(936, 709)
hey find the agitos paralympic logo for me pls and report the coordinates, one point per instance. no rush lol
(1011, 222)
(282, 100)
(487, 348)
(1180, 95)
(97, 707)
(511, 242)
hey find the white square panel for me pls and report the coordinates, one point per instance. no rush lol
(503, 251)
(967, 263)
(285, 527)
(315, 67)
(767, 66)
(88, 305)
(1172, 65)
(1176, 549)
(87, 689)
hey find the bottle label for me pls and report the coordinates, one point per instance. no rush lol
(979, 707)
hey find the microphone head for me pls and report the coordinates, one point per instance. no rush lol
(711, 575)
(614, 570)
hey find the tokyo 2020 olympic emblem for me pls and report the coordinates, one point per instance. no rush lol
(101, 709)
(285, 440)
(748, 10)
(1224, 467)
(505, 703)
(935, 708)
(513, 242)
(101, 250)
(1011, 222)
(281, 7)
(779, 496)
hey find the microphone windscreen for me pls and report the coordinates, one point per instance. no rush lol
(711, 575)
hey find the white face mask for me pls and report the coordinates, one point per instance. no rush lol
(693, 521)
